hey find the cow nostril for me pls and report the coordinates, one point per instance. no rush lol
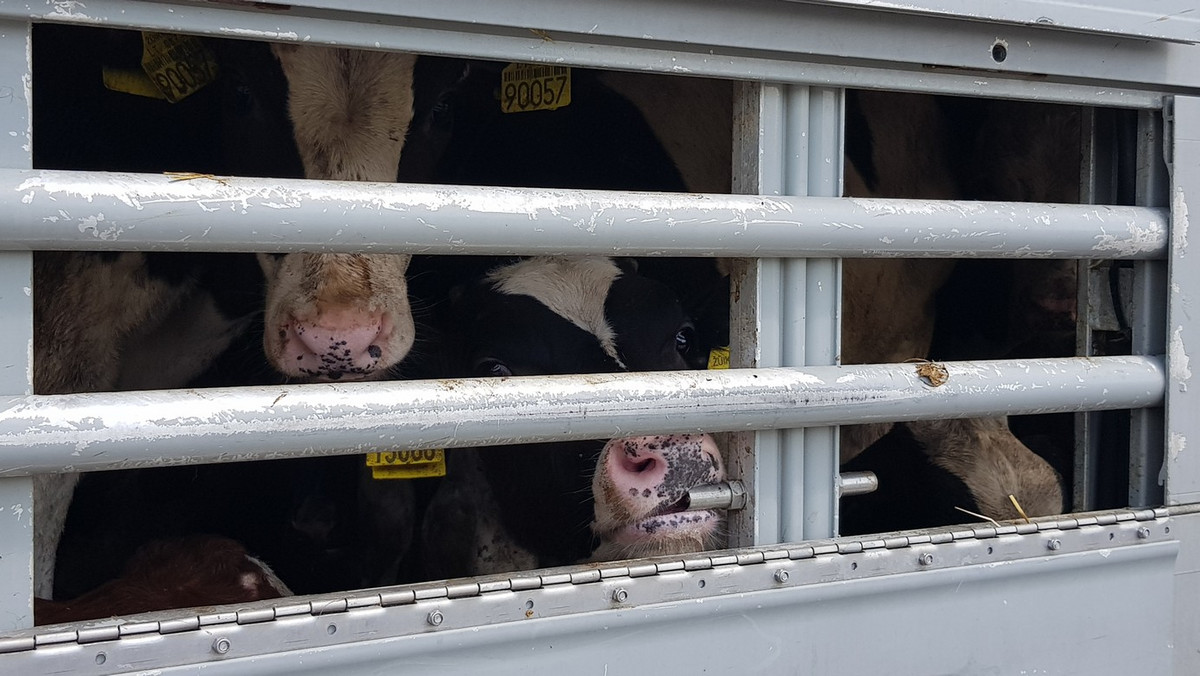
(637, 466)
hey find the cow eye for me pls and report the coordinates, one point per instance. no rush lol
(493, 368)
(684, 339)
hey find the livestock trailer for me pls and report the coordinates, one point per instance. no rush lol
(1105, 589)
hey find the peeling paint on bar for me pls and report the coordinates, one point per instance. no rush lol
(1179, 223)
(86, 432)
(108, 211)
(1181, 371)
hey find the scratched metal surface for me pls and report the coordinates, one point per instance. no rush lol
(85, 432)
(1090, 594)
(119, 212)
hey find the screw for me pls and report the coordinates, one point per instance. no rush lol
(1054, 545)
(1143, 532)
(221, 646)
(781, 576)
(435, 618)
(619, 595)
(925, 559)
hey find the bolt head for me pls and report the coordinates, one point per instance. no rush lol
(435, 618)
(619, 595)
(1054, 545)
(782, 576)
(221, 646)
(925, 559)
(1143, 532)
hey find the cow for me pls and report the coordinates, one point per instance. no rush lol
(176, 573)
(527, 505)
(315, 521)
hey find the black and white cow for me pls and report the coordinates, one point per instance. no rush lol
(526, 505)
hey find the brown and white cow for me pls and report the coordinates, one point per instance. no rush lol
(167, 574)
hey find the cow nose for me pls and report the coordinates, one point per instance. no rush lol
(336, 344)
(663, 466)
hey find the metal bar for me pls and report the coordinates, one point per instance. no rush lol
(711, 38)
(96, 431)
(119, 212)
(1097, 186)
(1169, 20)
(1183, 331)
(16, 343)
(753, 331)
(808, 505)
(729, 495)
(687, 57)
(775, 292)
(1148, 319)
(857, 483)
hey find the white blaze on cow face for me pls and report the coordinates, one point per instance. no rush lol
(640, 490)
(573, 288)
(342, 315)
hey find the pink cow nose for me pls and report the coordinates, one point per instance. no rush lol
(663, 467)
(336, 344)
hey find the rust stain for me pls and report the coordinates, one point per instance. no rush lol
(934, 373)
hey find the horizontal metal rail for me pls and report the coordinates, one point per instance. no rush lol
(100, 431)
(774, 41)
(118, 212)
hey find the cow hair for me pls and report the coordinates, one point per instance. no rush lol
(573, 288)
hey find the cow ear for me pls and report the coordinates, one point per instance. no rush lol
(627, 266)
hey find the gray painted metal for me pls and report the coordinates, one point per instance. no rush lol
(813, 45)
(86, 432)
(811, 322)
(122, 212)
(710, 31)
(1171, 20)
(1183, 331)
(1186, 529)
(16, 341)
(835, 606)
(1148, 319)
(757, 309)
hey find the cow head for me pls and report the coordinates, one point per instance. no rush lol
(342, 315)
(546, 316)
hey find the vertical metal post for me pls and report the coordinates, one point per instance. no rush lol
(791, 143)
(1095, 181)
(16, 341)
(1183, 325)
(1148, 318)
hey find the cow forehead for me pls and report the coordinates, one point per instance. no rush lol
(573, 288)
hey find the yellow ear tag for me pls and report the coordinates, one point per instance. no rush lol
(718, 358)
(130, 81)
(525, 87)
(177, 65)
(423, 464)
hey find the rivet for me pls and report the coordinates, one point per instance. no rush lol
(221, 646)
(925, 559)
(1054, 545)
(619, 595)
(1143, 532)
(435, 618)
(781, 576)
